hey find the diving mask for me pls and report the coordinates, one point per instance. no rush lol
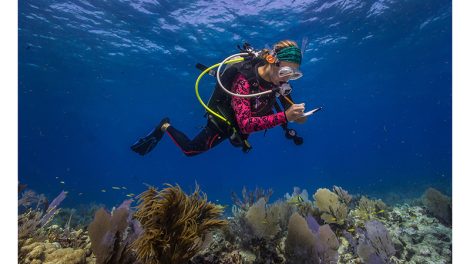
(287, 71)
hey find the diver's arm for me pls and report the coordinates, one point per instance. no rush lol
(241, 106)
(286, 103)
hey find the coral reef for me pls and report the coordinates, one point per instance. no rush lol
(262, 220)
(33, 220)
(52, 253)
(77, 218)
(250, 197)
(368, 209)
(418, 237)
(303, 194)
(52, 209)
(29, 225)
(343, 195)
(263, 227)
(438, 204)
(219, 250)
(372, 233)
(38, 242)
(375, 245)
(303, 205)
(170, 226)
(174, 224)
(310, 243)
(333, 210)
(111, 235)
(30, 199)
(68, 238)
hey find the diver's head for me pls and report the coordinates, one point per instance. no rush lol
(284, 62)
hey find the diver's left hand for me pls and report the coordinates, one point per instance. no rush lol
(301, 120)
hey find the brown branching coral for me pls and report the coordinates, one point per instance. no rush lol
(249, 198)
(368, 209)
(68, 238)
(343, 195)
(29, 199)
(32, 221)
(174, 224)
(28, 224)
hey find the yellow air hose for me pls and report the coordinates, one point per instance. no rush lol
(197, 88)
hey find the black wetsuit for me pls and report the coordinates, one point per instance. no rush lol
(216, 131)
(209, 137)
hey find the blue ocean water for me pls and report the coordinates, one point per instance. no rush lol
(94, 76)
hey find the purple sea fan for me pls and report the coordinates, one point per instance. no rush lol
(327, 245)
(376, 246)
(312, 224)
(351, 240)
(306, 242)
(108, 236)
(126, 204)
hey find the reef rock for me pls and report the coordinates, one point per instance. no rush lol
(419, 238)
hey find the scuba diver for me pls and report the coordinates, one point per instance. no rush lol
(243, 101)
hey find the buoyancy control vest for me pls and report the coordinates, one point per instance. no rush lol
(220, 101)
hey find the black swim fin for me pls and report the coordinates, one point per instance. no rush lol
(147, 143)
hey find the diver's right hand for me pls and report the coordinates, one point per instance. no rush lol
(295, 111)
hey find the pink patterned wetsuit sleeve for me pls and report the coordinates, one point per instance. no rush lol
(243, 113)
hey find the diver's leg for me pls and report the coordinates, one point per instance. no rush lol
(208, 138)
